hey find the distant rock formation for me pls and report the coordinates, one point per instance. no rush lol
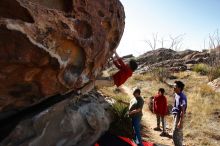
(52, 46)
(172, 60)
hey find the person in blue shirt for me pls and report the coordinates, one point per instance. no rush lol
(179, 110)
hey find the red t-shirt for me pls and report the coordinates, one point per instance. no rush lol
(123, 74)
(160, 105)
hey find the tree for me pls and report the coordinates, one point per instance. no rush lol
(153, 44)
(214, 48)
(214, 40)
(176, 42)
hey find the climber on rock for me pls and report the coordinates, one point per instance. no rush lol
(119, 78)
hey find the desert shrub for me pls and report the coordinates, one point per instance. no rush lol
(214, 58)
(142, 77)
(203, 69)
(122, 123)
(161, 74)
(213, 73)
(206, 91)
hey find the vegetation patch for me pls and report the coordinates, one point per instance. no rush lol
(202, 118)
(160, 74)
(213, 72)
(122, 124)
(201, 68)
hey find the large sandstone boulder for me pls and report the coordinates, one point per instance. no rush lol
(77, 121)
(52, 46)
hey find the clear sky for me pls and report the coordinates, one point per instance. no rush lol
(196, 19)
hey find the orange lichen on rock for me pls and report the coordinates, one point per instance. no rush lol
(53, 46)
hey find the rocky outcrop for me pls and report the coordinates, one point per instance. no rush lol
(52, 46)
(215, 84)
(172, 60)
(156, 56)
(77, 121)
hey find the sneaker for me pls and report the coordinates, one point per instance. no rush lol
(164, 134)
(157, 129)
(135, 141)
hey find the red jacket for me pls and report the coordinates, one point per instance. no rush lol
(160, 105)
(123, 74)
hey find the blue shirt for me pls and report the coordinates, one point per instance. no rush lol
(180, 101)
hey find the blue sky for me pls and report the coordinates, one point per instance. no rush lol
(196, 19)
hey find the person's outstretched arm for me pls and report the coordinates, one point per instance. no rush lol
(116, 55)
(118, 62)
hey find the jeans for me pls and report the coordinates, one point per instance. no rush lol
(177, 132)
(137, 131)
(163, 122)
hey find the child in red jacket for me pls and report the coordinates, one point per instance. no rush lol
(119, 78)
(160, 109)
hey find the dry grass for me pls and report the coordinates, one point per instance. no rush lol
(203, 112)
(122, 123)
(211, 72)
(183, 75)
(138, 78)
(160, 74)
(201, 68)
(214, 73)
(202, 121)
(202, 127)
(112, 92)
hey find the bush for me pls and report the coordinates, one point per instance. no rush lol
(203, 69)
(122, 123)
(142, 77)
(161, 74)
(213, 73)
(206, 91)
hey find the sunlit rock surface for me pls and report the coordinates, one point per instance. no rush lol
(215, 84)
(51, 46)
(78, 121)
(175, 60)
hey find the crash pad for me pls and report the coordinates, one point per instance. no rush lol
(109, 139)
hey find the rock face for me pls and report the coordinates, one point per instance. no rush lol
(172, 60)
(51, 46)
(215, 84)
(78, 121)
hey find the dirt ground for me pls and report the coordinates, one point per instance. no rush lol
(149, 123)
(148, 133)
